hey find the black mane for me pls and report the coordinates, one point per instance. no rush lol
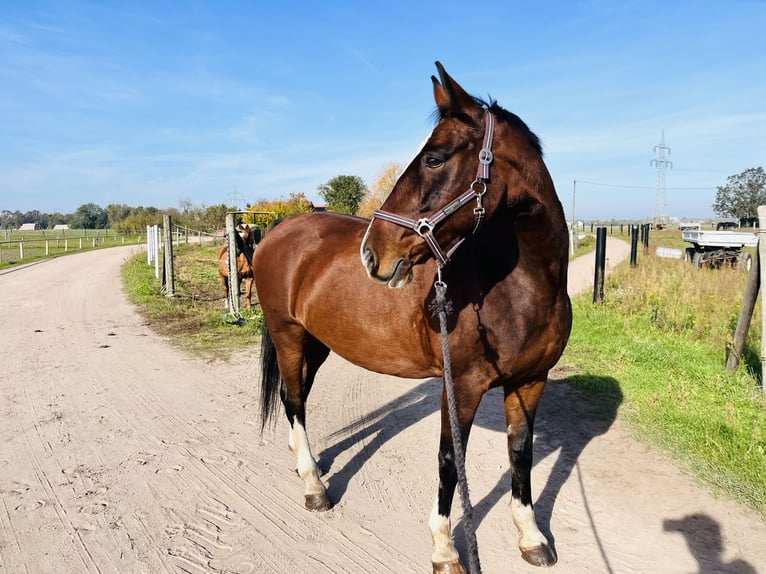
(502, 115)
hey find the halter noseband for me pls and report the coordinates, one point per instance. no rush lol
(425, 226)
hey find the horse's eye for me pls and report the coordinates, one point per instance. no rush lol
(433, 161)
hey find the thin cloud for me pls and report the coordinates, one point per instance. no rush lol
(102, 103)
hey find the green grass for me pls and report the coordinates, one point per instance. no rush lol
(663, 332)
(195, 319)
(46, 244)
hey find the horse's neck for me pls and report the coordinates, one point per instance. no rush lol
(537, 240)
(245, 246)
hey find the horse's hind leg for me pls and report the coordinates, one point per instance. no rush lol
(520, 407)
(298, 364)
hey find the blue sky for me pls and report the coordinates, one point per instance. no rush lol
(152, 103)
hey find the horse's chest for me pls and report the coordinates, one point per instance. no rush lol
(507, 332)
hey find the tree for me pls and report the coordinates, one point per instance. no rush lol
(117, 213)
(11, 219)
(35, 216)
(375, 196)
(138, 219)
(343, 193)
(742, 194)
(58, 219)
(89, 216)
(294, 204)
(214, 216)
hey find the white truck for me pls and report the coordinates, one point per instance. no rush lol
(716, 248)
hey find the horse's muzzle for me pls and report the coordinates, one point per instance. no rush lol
(398, 274)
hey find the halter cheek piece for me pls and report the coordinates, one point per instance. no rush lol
(425, 226)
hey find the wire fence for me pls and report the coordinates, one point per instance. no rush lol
(18, 246)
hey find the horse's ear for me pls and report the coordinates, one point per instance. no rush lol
(450, 98)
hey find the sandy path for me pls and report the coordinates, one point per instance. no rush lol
(120, 454)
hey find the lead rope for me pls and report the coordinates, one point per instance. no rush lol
(443, 308)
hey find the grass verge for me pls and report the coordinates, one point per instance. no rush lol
(662, 333)
(195, 319)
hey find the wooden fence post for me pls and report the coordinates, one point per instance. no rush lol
(633, 245)
(745, 314)
(233, 268)
(170, 283)
(598, 280)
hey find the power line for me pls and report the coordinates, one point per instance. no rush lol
(642, 186)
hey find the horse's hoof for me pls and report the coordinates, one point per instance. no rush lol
(318, 502)
(539, 555)
(455, 567)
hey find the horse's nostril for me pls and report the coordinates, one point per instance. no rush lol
(368, 258)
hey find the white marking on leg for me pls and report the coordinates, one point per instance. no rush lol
(307, 466)
(524, 519)
(441, 532)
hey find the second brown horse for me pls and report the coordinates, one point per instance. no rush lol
(245, 247)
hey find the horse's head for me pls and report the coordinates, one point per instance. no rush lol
(478, 161)
(244, 232)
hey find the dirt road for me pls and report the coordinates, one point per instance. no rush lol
(118, 454)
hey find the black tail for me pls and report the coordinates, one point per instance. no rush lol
(271, 380)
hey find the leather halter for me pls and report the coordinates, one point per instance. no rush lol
(425, 226)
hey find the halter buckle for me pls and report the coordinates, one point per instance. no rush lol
(423, 227)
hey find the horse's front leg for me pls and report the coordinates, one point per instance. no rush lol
(520, 407)
(248, 292)
(445, 557)
(225, 283)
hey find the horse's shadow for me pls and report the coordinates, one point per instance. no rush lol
(567, 420)
(374, 430)
(703, 536)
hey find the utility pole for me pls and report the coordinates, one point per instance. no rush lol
(573, 229)
(662, 164)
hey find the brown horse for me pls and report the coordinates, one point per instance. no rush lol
(245, 247)
(505, 266)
